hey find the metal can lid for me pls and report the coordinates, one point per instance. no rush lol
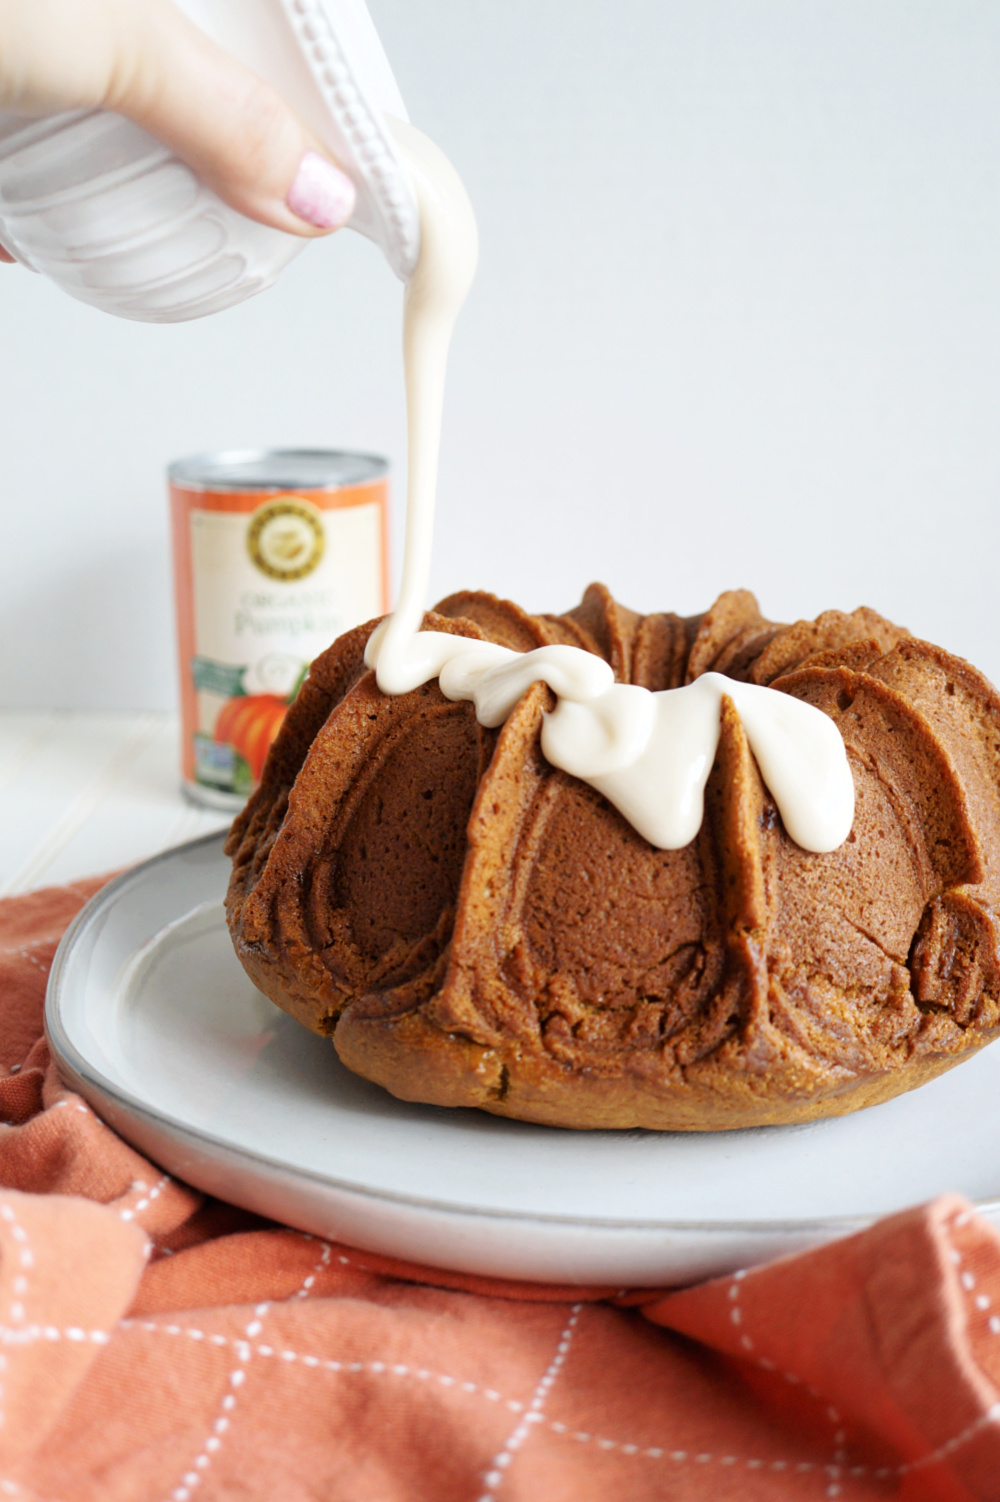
(276, 469)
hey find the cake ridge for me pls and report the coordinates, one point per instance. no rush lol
(545, 962)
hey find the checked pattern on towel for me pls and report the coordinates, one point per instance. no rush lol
(834, 1475)
(247, 1347)
(237, 1376)
(278, 1348)
(236, 1379)
(530, 1413)
(841, 1468)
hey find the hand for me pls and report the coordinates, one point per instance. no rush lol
(146, 60)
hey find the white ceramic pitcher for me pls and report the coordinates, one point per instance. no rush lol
(101, 207)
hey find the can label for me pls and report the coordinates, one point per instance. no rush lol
(265, 582)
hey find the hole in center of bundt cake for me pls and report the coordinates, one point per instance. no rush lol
(400, 859)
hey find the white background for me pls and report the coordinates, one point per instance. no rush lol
(737, 323)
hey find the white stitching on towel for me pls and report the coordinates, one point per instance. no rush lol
(841, 1459)
(991, 1416)
(736, 1315)
(139, 1185)
(493, 1478)
(347, 1368)
(633, 1450)
(982, 1300)
(237, 1377)
(489, 1394)
(25, 1260)
(9, 951)
(26, 1335)
(840, 1454)
(967, 1282)
(22, 952)
(838, 1471)
(309, 1282)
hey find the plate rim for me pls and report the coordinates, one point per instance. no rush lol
(69, 1060)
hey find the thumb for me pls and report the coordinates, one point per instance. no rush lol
(231, 127)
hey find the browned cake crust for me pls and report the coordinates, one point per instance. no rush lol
(473, 927)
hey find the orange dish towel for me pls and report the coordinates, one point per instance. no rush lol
(158, 1345)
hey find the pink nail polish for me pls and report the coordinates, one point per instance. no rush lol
(321, 194)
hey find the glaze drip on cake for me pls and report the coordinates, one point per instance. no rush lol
(649, 754)
(473, 926)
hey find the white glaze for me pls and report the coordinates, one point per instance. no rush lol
(660, 786)
(449, 249)
(650, 754)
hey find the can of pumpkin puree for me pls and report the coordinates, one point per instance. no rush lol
(276, 553)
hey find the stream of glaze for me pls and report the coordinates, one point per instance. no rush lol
(650, 754)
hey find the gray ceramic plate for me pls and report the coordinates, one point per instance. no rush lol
(152, 1019)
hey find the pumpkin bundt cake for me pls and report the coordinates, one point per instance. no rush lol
(473, 927)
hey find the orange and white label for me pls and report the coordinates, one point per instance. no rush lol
(265, 581)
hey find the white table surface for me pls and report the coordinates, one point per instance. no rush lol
(85, 793)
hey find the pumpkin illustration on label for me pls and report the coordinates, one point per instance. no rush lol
(249, 723)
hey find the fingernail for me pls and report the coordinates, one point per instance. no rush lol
(321, 194)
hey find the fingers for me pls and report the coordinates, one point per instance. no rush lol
(231, 127)
(146, 60)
